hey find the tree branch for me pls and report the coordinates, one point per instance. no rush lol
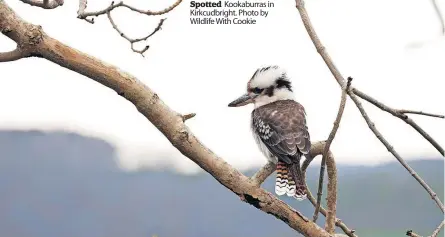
(404, 111)
(81, 11)
(326, 151)
(402, 116)
(133, 41)
(317, 149)
(391, 149)
(167, 121)
(81, 14)
(83, 4)
(341, 81)
(317, 43)
(11, 55)
(45, 4)
(434, 234)
(259, 177)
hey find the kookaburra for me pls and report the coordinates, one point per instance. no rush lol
(279, 127)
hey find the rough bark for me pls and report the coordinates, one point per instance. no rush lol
(318, 148)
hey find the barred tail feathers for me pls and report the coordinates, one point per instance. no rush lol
(284, 183)
(300, 192)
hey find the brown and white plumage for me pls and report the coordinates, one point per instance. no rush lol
(279, 127)
(281, 132)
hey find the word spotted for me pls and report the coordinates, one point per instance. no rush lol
(228, 12)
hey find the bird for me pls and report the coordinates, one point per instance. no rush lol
(279, 127)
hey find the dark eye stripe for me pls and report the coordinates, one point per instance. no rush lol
(269, 91)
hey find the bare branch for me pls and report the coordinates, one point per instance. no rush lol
(158, 27)
(439, 16)
(12, 55)
(404, 111)
(391, 149)
(341, 81)
(326, 151)
(434, 234)
(81, 14)
(45, 4)
(402, 116)
(166, 120)
(437, 230)
(81, 11)
(317, 149)
(133, 41)
(82, 7)
(259, 177)
(84, 15)
(338, 222)
(317, 43)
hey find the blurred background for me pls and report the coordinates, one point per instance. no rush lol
(78, 160)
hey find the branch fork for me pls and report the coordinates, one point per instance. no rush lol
(355, 93)
(89, 17)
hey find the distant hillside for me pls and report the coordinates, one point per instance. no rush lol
(66, 185)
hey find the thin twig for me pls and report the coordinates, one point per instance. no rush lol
(133, 41)
(259, 177)
(439, 16)
(434, 234)
(391, 149)
(328, 145)
(158, 27)
(404, 111)
(188, 116)
(83, 15)
(402, 116)
(45, 4)
(317, 149)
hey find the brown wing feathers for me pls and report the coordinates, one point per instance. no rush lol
(282, 128)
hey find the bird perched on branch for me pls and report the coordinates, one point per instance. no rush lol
(279, 127)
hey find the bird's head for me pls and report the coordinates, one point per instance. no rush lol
(267, 85)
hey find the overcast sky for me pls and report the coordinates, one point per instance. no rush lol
(393, 49)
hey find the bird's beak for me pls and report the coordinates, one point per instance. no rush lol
(243, 100)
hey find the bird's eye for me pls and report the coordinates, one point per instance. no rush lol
(257, 90)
